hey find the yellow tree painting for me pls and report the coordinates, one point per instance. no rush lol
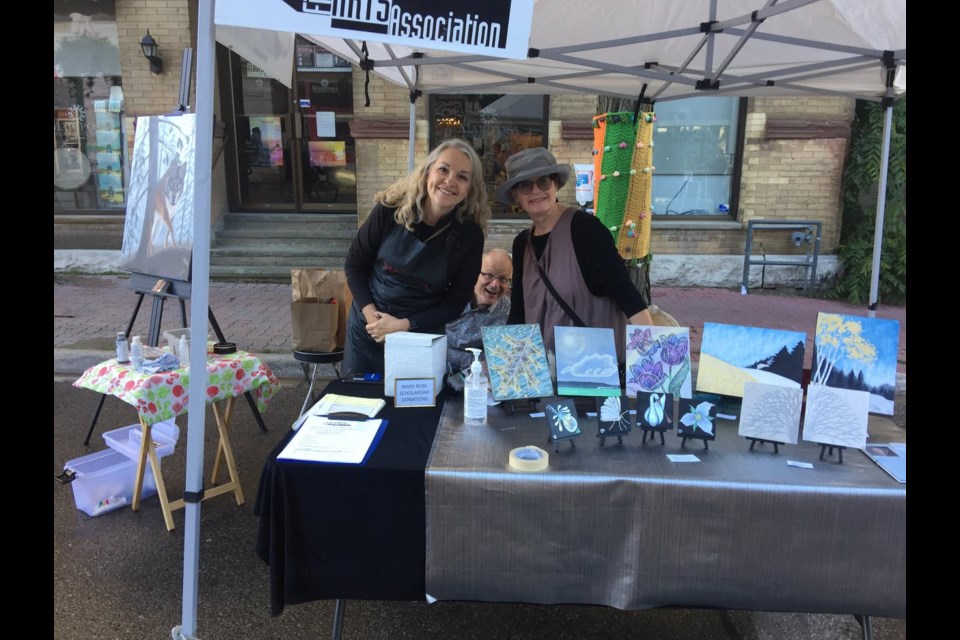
(858, 353)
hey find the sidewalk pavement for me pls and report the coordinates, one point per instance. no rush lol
(88, 311)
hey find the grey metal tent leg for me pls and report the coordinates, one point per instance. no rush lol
(338, 618)
(865, 627)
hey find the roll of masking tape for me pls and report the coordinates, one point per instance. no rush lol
(529, 458)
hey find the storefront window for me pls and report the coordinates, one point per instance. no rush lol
(496, 125)
(695, 155)
(89, 128)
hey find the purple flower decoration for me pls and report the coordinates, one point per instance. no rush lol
(648, 375)
(643, 342)
(674, 350)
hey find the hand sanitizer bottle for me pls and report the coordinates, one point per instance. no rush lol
(475, 393)
(136, 354)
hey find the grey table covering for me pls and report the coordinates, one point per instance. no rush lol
(623, 526)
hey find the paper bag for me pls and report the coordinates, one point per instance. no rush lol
(319, 323)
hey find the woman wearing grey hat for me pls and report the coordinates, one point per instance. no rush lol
(566, 268)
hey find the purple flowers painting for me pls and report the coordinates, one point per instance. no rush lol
(658, 359)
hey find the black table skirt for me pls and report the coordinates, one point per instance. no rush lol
(347, 531)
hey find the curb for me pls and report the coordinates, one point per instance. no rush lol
(67, 362)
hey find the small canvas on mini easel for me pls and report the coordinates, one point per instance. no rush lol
(836, 417)
(697, 420)
(517, 362)
(563, 419)
(658, 360)
(770, 412)
(586, 362)
(731, 355)
(158, 229)
(655, 410)
(613, 416)
(859, 353)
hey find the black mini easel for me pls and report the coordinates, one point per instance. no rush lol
(683, 441)
(652, 433)
(526, 405)
(160, 289)
(828, 448)
(557, 442)
(603, 439)
(776, 448)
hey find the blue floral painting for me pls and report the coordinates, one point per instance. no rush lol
(658, 360)
(697, 420)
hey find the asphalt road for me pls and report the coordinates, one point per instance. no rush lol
(120, 575)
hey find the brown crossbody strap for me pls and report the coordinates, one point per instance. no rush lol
(563, 305)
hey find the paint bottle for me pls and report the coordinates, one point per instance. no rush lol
(184, 351)
(475, 392)
(123, 353)
(136, 354)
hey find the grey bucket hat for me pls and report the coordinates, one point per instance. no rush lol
(527, 165)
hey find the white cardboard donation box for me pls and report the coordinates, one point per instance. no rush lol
(414, 355)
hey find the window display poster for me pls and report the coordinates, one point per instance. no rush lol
(326, 124)
(266, 137)
(109, 161)
(584, 182)
(328, 154)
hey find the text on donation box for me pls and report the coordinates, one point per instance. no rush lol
(414, 392)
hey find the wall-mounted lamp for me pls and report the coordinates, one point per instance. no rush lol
(149, 46)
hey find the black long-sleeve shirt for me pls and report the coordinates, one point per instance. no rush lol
(463, 263)
(600, 264)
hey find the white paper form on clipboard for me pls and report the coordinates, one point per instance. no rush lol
(322, 439)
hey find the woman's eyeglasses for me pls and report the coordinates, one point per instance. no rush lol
(505, 281)
(543, 183)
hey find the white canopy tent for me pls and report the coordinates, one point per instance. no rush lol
(666, 49)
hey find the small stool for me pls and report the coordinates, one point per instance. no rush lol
(316, 358)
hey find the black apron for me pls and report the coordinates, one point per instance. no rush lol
(408, 276)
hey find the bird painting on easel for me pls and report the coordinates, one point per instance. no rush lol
(655, 410)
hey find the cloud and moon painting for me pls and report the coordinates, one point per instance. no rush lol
(586, 362)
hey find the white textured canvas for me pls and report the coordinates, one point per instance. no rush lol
(836, 416)
(770, 412)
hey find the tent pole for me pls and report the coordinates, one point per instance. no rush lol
(881, 201)
(412, 136)
(199, 309)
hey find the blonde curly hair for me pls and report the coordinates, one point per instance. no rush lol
(408, 194)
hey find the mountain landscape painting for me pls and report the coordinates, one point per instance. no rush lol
(731, 355)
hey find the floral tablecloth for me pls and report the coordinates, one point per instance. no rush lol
(161, 396)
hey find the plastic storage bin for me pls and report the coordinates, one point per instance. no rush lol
(172, 337)
(126, 440)
(104, 481)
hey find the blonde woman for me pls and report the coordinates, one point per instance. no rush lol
(415, 259)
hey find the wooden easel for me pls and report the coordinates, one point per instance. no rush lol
(161, 289)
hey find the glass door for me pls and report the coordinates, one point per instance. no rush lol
(264, 140)
(323, 110)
